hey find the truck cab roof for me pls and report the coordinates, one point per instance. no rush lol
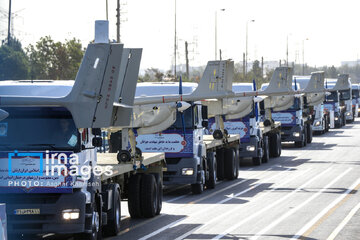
(38, 88)
(162, 88)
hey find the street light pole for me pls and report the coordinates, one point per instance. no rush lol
(246, 50)
(175, 45)
(303, 55)
(216, 48)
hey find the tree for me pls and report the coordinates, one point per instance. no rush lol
(14, 64)
(55, 60)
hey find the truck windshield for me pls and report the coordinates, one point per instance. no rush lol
(345, 95)
(355, 93)
(37, 129)
(296, 105)
(188, 119)
(333, 97)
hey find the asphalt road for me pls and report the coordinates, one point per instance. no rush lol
(309, 193)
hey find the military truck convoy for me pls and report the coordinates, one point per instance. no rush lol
(72, 150)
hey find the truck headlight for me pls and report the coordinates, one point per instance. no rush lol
(336, 118)
(250, 148)
(187, 171)
(348, 113)
(317, 123)
(296, 134)
(71, 214)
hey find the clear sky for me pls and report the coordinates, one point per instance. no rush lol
(331, 27)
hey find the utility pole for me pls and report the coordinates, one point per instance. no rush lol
(9, 23)
(107, 11)
(187, 60)
(118, 21)
(244, 74)
(220, 54)
(287, 50)
(246, 50)
(280, 63)
(215, 35)
(262, 67)
(175, 45)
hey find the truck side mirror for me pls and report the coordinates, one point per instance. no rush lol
(96, 131)
(205, 123)
(204, 112)
(97, 141)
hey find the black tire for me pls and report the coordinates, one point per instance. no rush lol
(220, 163)
(309, 133)
(211, 182)
(114, 214)
(256, 161)
(305, 136)
(95, 221)
(266, 153)
(159, 185)
(134, 204)
(230, 164)
(197, 188)
(274, 145)
(149, 195)
(237, 161)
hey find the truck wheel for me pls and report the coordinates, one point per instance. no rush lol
(95, 223)
(230, 164)
(220, 163)
(305, 135)
(149, 196)
(211, 182)
(134, 196)
(266, 156)
(274, 145)
(197, 188)
(237, 161)
(159, 185)
(309, 133)
(256, 161)
(114, 214)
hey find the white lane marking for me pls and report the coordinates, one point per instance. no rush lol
(207, 209)
(238, 207)
(323, 212)
(161, 229)
(344, 222)
(177, 198)
(219, 190)
(287, 214)
(235, 226)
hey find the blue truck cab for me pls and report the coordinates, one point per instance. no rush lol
(191, 157)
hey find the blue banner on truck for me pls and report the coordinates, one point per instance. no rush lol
(235, 126)
(35, 172)
(172, 142)
(3, 225)
(287, 118)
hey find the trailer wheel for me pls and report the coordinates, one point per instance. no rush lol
(274, 145)
(134, 196)
(230, 164)
(309, 133)
(114, 214)
(237, 161)
(220, 163)
(159, 185)
(266, 156)
(149, 196)
(256, 161)
(211, 182)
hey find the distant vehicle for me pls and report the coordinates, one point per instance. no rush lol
(356, 99)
